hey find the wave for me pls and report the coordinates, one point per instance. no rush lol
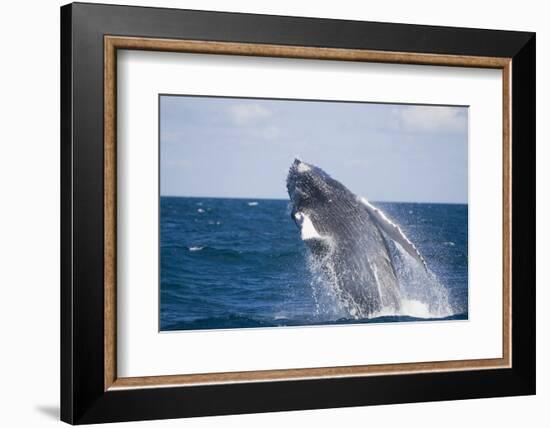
(244, 255)
(229, 321)
(244, 321)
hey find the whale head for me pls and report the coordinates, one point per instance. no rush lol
(312, 191)
(309, 186)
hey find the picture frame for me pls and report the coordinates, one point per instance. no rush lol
(91, 390)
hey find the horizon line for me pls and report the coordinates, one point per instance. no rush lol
(252, 198)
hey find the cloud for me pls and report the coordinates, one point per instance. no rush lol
(431, 118)
(266, 132)
(244, 114)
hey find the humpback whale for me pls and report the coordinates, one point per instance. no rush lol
(349, 238)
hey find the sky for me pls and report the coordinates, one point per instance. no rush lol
(243, 147)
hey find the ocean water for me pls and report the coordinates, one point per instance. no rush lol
(237, 263)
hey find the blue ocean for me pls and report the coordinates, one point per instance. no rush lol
(238, 263)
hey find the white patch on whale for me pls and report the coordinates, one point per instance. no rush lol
(307, 229)
(303, 167)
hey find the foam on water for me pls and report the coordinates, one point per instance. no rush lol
(412, 308)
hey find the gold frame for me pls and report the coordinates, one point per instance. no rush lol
(113, 43)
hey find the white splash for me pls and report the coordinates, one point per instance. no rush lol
(200, 210)
(420, 287)
(197, 248)
(409, 307)
(421, 294)
(252, 204)
(330, 301)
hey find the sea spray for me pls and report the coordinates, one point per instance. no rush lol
(331, 301)
(421, 294)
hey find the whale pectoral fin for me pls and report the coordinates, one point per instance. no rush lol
(394, 232)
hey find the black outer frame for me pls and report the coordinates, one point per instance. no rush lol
(83, 399)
